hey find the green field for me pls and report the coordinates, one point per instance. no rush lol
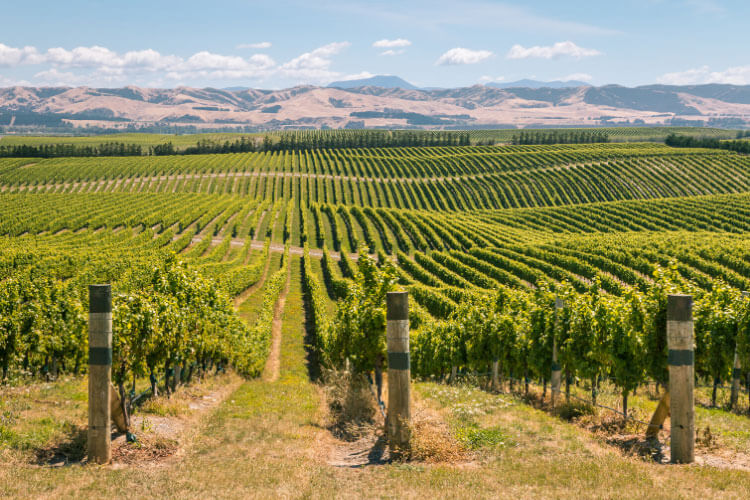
(179, 141)
(473, 232)
(616, 134)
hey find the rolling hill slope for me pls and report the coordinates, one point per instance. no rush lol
(378, 102)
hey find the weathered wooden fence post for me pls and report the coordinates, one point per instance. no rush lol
(100, 373)
(495, 375)
(556, 369)
(681, 377)
(736, 369)
(399, 369)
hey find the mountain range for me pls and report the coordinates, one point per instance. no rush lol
(382, 101)
(536, 84)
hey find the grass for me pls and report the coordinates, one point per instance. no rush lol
(731, 431)
(35, 417)
(36, 414)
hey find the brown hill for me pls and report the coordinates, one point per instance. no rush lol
(308, 106)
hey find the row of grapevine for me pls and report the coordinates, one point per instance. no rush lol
(168, 315)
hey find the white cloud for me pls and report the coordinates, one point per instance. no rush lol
(358, 76)
(83, 57)
(390, 44)
(259, 45)
(97, 65)
(7, 82)
(261, 60)
(394, 47)
(581, 77)
(314, 65)
(208, 61)
(488, 79)
(216, 66)
(460, 55)
(148, 58)
(12, 56)
(107, 60)
(59, 78)
(559, 49)
(736, 75)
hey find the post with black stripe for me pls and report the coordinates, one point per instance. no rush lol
(681, 377)
(398, 420)
(736, 369)
(556, 375)
(100, 373)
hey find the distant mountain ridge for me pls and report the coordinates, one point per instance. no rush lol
(392, 82)
(393, 103)
(383, 81)
(535, 84)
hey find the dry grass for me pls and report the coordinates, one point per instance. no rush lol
(351, 406)
(358, 428)
(432, 441)
(165, 407)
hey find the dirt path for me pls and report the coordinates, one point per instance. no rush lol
(271, 373)
(170, 436)
(277, 247)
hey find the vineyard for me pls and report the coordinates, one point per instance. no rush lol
(199, 250)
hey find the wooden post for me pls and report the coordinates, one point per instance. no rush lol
(115, 410)
(659, 416)
(399, 369)
(556, 369)
(681, 377)
(736, 369)
(100, 373)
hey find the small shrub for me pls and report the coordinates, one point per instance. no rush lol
(474, 437)
(573, 410)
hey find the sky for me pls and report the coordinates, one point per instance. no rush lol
(430, 43)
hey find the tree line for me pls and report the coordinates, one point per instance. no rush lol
(368, 139)
(685, 141)
(67, 150)
(286, 141)
(557, 137)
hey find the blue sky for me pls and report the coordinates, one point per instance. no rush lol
(280, 44)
